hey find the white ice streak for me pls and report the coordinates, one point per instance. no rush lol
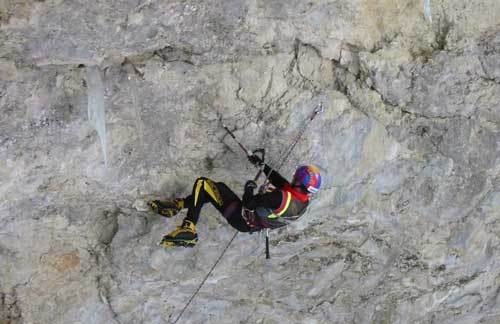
(95, 106)
(427, 10)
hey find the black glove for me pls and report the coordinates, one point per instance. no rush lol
(255, 160)
(250, 186)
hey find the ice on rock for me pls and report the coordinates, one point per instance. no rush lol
(427, 10)
(96, 107)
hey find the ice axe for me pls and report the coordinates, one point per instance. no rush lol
(249, 153)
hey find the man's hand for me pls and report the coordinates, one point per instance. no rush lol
(255, 160)
(250, 186)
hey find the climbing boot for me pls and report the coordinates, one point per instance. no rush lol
(167, 208)
(185, 235)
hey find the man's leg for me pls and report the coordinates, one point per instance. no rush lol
(224, 199)
(204, 190)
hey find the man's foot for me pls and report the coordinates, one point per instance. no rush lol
(185, 235)
(167, 208)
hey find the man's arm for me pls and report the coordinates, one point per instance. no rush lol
(270, 200)
(275, 178)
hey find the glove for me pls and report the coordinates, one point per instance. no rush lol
(255, 160)
(250, 186)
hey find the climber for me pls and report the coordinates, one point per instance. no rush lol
(272, 209)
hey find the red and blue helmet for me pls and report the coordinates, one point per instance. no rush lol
(308, 177)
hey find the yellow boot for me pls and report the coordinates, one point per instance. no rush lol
(184, 235)
(167, 208)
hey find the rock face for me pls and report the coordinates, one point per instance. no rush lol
(405, 230)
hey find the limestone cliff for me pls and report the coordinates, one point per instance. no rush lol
(405, 230)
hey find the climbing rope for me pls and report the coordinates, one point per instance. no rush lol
(206, 277)
(286, 154)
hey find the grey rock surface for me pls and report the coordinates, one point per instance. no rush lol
(405, 229)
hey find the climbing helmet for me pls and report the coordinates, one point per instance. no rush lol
(307, 177)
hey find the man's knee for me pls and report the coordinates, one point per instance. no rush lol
(203, 179)
(208, 186)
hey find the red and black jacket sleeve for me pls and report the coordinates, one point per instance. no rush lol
(271, 200)
(275, 178)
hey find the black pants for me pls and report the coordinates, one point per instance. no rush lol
(223, 198)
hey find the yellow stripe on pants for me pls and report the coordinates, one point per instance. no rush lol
(199, 183)
(212, 190)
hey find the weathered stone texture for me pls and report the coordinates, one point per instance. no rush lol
(405, 229)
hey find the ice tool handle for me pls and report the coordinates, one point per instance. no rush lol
(247, 152)
(260, 151)
(262, 165)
